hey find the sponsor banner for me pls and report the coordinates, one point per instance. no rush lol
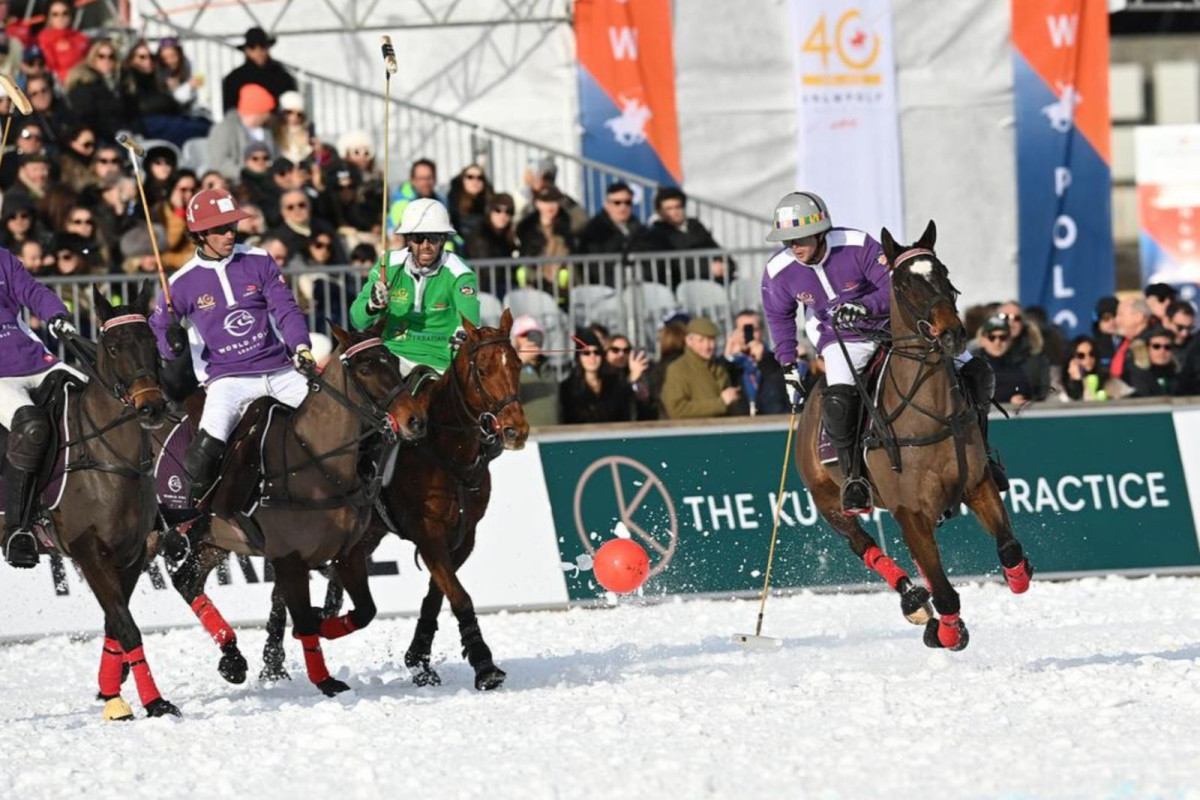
(1083, 498)
(849, 135)
(1064, 182)
(1168, 192)
(513, 566)
(627, 89)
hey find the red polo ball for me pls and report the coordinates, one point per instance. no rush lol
(621, 565)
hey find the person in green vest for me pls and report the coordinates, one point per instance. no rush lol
(424, 292)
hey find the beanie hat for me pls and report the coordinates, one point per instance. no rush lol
(254, 99)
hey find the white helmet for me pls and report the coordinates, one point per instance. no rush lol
(797, 215)
(425, 215)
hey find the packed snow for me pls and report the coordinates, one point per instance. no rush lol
(1085, 689)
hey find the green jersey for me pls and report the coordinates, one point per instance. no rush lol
(423, 311)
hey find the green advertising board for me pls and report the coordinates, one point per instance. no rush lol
(1090, 493)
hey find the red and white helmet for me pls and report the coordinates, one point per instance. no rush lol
(213, 208)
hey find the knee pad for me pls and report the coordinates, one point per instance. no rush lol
(839, 411)
(28, 438)
(980, 381)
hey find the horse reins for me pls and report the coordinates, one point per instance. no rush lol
(488, 420)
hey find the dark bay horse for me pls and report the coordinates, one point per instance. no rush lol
(930, 455)
(441, 491)
(108, 508)
(314, 507)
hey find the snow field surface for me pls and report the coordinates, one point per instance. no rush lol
(1087, 689)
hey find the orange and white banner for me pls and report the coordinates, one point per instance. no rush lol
(849, 133)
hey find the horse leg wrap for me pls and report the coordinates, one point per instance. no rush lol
(475, 649)
(1018, 577)
(147, 690)
(314, 659)
(212, 621)
(112, 660)
(948, 630)
(337, 627)
(884, 565)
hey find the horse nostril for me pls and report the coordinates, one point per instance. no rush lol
(415, 424)
(510, 433)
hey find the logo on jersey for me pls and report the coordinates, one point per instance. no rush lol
(205, 302)
(250, 289)
(851, 285)
(238, 323)
(806, 298)
(175, 484)
(400, 295)
(883, 259)
(467, 290)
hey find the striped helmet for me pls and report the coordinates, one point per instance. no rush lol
(797, 215)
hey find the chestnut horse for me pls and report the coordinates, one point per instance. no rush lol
(314, 507)
(440, 493)
(925, 450)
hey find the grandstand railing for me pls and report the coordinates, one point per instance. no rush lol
(337, 106)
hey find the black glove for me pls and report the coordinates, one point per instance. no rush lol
(176, 339)
(62, 325)
(847, 314)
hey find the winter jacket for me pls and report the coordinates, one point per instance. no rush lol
(272, 76)
(693, 386)
(63, 49)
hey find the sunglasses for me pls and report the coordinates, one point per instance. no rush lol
(1011, 317)
(422, 238)
(473, 177)
(295, 206)
(592, 352)
(321, 244)
(620, 350)
(141, 56)
(259, 157)
(83, 221)
(22, 215)
(106, 56)
(223, 230)
(1082, 354)
(1161, 347)
(621, 202)
(998, 337)
(108, 160)
(87, 145)
(502, 210)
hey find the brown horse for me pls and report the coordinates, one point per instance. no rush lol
(440, 493)
(108, 509)
(925, 448)
(314, 507)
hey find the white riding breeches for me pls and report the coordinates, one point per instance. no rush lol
(14, 392)
(837, 370)
(229, 397)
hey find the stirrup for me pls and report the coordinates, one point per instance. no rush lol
(22, 559)
(853, 510)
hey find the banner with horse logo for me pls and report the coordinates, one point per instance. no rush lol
(1064, 180)
(627, 89)
(1168, 192)
(846, 119)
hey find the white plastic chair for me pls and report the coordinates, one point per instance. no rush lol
(654, 302)
(705, 299)
(584, 300)
(194, 155)
(490, 310)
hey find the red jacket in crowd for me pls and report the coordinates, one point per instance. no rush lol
(63, 49)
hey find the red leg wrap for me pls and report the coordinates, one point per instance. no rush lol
(112, 658)
(1017, 577)
(948, 630)
(212, 621)
(314, 659)
(888, 570)
(337, 627)
(147, 690)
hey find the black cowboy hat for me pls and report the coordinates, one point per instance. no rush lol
(257, 37)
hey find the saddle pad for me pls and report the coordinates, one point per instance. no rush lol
(52, 479)
(170, 481)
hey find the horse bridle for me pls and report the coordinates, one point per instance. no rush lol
(489, 419)
(922, 324)
(373, 412)
(119, 388)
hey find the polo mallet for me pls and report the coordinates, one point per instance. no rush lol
(20, 103)
(135, 152)
(389, 63)
(757, 641)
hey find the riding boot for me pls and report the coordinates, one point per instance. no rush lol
(980, 383)
(840, 413)
(201, 464)
(28, 438)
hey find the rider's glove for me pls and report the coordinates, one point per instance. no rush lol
(379, 297)
(459, 338)
(793, 380)
(176, 339)
(61, 326)
(847, 314)
(305, 361)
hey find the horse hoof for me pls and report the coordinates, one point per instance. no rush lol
(490, 677)
(915, 606)
(932, 639)
(161, 708)
(1019, 576)
(116, 709)
(273, 672)
(233, 666)
(331, 687)
(426, 677)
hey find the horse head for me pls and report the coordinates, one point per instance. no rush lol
(924, 299)
(367, 363)
(487, 374)
(127, 356)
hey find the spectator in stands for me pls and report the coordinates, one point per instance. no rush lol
(1188, 381)
(172, 215)
(138, 252)
(175, 72)
(277, 250)
(33, 255)
(108, 161)
(1159, 297)
(1054, 344)
(160, 161)
(31, 140)
(159, 114)
(672, 338)
(592, 392)
(541, 173)
(1180, 319)
(613, 230)
(995, 341)
(33, 180)
(251, 228)
(113, 205)
(293, 134)
(754, 367)
(1104, 330)
(255, 181)
(214, 180)
(538, 385)
(76, 256)
(1027, 350)
(75, 161)
(33, 65)
(347, 203)
(93, 91)
(1133, 321)
(63, 46)
(674, 230)
(496, 238)
(546, 232)
(49, 112)
(19, 223)
(229, 138)
(697, 385)
(363, 257)
(82, 222)
(259, 69)
(632, 366)
(1083, 376)
(422, 182)
(467, 200)
(299, 225)
(1150, 367)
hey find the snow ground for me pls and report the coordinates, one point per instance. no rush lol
(1088, 689)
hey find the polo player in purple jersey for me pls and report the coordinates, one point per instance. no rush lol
(231, 299)
(842, 278)
(24, 364)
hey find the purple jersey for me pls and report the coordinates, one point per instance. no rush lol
(231, 304)
(21, 351)
(853, 270)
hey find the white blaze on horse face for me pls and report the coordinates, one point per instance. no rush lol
(922, 267)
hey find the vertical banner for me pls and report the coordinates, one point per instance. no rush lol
(1168, 192)
(627, 89)
(849, 134)
(1064, 183)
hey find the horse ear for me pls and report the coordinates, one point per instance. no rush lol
(145, 298)
(889, 245)
(929, 237)
(376, 330)
(506, 321)
(343, 338)
(103, 308)
(468, 326)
